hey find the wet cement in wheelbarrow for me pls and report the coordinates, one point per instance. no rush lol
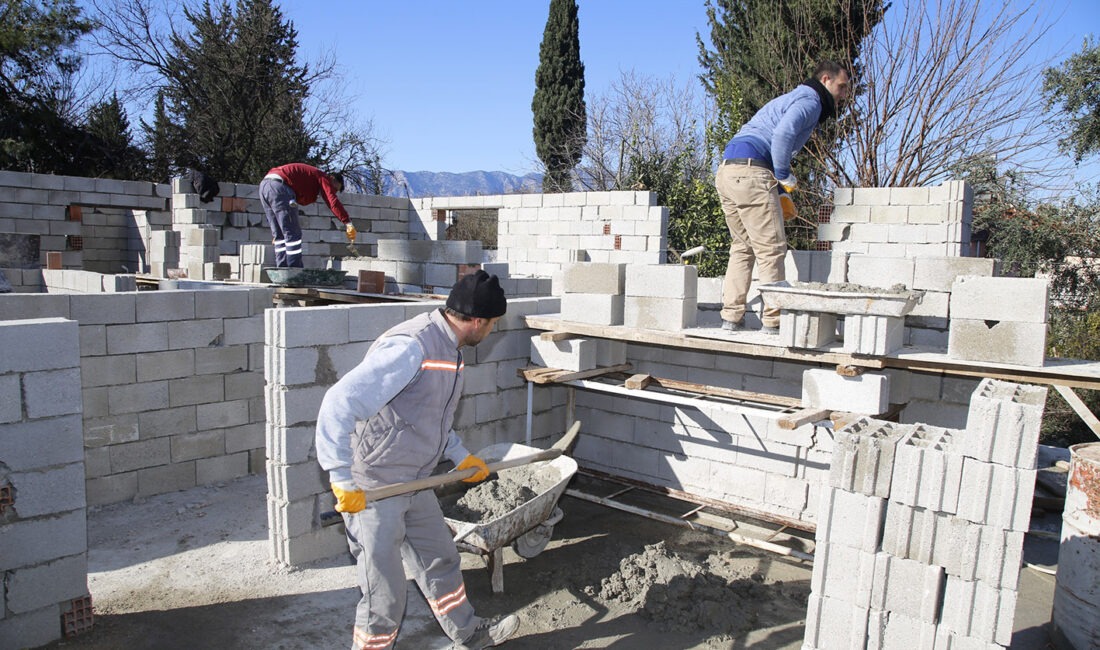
(498, 496)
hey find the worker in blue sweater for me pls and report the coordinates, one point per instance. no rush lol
(756, 167)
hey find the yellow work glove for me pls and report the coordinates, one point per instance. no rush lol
(785, 202)
(349, 498)
(471, 461)
(351, 232)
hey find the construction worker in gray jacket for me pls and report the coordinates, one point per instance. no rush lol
(389, 420)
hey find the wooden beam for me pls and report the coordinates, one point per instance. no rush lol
(555, 336)
(557, 375)
(1079, 407)
(803, 416)
(718, 391)
(638, 381)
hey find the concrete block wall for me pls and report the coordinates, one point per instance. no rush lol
(537, 234)
(172, 385)
(901, 221)
(43, 525)
(72, 214)
(921, 533)
(309, 349)
(73, 281)
(418, 265)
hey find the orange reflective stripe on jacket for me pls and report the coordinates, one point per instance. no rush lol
(434, 364)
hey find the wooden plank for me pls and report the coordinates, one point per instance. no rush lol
(803, 416)
(695, 343)
(1079, 407)
(557, 375)
(555, 336)
(638, 381)
(718, 391)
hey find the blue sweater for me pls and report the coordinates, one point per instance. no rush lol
(779, 129)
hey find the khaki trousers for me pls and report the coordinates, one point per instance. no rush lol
(755, 220)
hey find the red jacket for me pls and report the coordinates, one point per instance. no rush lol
(307, 182)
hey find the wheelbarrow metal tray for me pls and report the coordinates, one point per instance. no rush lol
(488, 536)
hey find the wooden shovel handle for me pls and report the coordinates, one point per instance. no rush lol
(453, 477)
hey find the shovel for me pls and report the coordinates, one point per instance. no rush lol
(560, 447)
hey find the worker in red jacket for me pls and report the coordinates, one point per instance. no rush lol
(282, 191)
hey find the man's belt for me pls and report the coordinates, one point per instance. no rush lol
(751, 162)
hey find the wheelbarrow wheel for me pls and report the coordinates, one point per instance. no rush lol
(534, 541)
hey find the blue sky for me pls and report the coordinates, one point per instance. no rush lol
(448, 84)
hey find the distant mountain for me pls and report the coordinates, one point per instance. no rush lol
(415, 185)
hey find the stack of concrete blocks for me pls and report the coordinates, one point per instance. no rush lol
(1000, 320)
(593, 292)
(43, 525)
(539, 234)
(67, 281)
(420, 266)
(661, 296)
(252, 260)
(901, 221)
(163, 252)
(927, 325)
(308, 349)
(199, 253)
(920, 538)
(577, 353)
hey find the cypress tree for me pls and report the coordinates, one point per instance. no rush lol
(558, 105)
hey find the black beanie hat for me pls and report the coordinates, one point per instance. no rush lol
(478, 295)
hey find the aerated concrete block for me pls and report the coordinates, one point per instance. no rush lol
(1003, 423)
(666, 314)
(58, 581)
(598, 309)
(863, 457)
(873, 335)
(594, 278)
(983, 298)
(569, 354)
(1010, 342)
(38, 344)
(884, 272)
(868, 393)
(662, 280)
(940, 273)
(851, 519)
(807, 329)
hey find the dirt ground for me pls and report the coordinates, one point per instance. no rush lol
(192, 570)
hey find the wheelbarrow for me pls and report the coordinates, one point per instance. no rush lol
(527, 527)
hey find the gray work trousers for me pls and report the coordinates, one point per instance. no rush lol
(405, 531)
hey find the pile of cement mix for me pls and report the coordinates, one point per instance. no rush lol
(847, 287)
(680, 595)
(512, 488)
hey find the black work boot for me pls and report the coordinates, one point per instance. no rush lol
(489, 633)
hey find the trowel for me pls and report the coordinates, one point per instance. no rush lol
(559, 448)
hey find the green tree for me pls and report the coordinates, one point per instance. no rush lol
(161, 142)
(1075, 87)
(236, 100)
(237, 91)
(558, 104)
(112, 153)
(37, 59)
